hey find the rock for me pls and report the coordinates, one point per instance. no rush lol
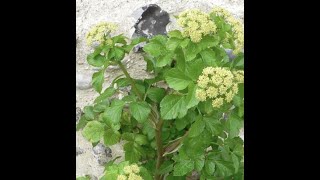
(83, 81)
(102, 153)
(152, 21)
(79, 151)
(138, 47)
(92, 177)
(78, 114)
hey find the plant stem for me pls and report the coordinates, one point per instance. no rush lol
(133, 85)
(159, 148)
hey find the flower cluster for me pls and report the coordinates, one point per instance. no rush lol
(218, 84)
(237, 27)
(196, 24)
(131, 173)
(98, 32)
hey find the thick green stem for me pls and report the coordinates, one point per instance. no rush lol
(159, 148)
(133, 84)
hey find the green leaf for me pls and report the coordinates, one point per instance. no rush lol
(111, 137)
(197, 127)
(128, 136)
(161, 39)
(140, 139)
(183, 122)
(199, 163)
(93, 131)
(101, 107)
(88, 112)
(153, 49)
(209, 57)
(113, 113)
(213, 125)
(97, 80)
(172, 177)
(145, 174)
(193, 72)
(236, 162)
(96, 60)
(173, 106)
(119, 39)
(107, 93)
(166, 167)
(191, 99)
(140, 111)
(119, 53)
(183, 167)
(237, 101)
(138, 40)
(180, 61)
(208, 42)
(156, 94)
(185, 43)
(176, 79)
(224, 168)
(82, 123)
(122, 82)
(163, 60)
(176, 34)
(210, 167)
(111, 53)
(235, 125)
(191, 51)
(173, 43)
(131, 154)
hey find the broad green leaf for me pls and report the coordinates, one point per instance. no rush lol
(237, 101)
(224, 168)
(176, 34)
(111, 54)
(93, 131)
(164, 60)
(191, 51)
(213, 125)
(111, 137)
(173, 106)
(166, 167)
(161, 39)
(197, 127)
(181, 123)
(140, 111)
(107, 93)
(156, 94)
(208, 42)
(122, 82)
(209, 167)
(138, 40)
(176, 79)
(119, 53)
(191, 99)
(236, 162)
(199, 163)
(82, 123)
(88, 112)
(180, 61)
(131, 153)
(140, 139)
(145, 174)
(113, 113)
(101, 107)
(209, 57)
(235, 124)
(128, 136)
(172, 177)
(119, 39)
(183, 167)
(96, 60)
(153, 49)
(194, 69)
(185, 43)
(97, 80)
(173, 43)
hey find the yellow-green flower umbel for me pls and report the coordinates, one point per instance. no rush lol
(99, 32)
(218, 84)
(196, 24)
(130, 173)
(237, 27)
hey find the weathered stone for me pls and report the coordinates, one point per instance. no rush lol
(83, 81)
(78, 114)
(79, 151)
(152, 21)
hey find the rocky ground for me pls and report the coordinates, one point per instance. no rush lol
(90, 12)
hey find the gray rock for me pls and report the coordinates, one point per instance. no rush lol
(78, 114)
(152, 21)
(79, 151)
(92, 177)
(138, 47)
(102, 153)
(83, 81)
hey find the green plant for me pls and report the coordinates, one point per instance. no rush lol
(190, 126)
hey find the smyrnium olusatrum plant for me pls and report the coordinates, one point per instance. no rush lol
(189, 128)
